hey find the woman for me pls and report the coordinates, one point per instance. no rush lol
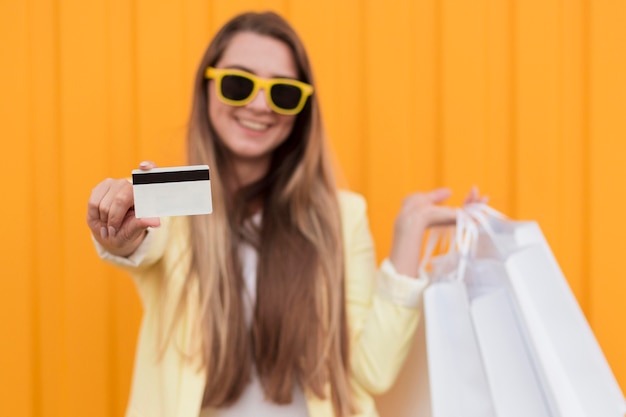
(272, 305)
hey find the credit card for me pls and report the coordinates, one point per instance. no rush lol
(172, 191)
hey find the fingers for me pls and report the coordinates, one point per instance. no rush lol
(474, 197)
(147, 165)
(133, 227)
(111, 215)
(93, 205)
(417, 200)
(110, 208)
(439, 195)
(440, 216)
(108, 204)
(115, 205)
(429, 208)
(471, 196)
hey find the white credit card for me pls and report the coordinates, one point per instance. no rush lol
(172, 191)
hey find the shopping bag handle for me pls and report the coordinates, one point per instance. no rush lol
(466, 238)
(437, 237)
(482, 214)
(462, 241)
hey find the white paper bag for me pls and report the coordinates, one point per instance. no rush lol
(508, 339)
(515, 378)
(577, 377)
(449, 380)
(458, 384)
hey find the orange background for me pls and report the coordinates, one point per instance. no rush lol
(525, 98)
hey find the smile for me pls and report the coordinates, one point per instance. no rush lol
(257, 126)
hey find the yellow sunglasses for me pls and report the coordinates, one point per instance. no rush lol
(238, 88)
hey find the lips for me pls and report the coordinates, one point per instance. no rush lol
(253, 125)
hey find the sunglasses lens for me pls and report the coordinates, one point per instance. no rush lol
(236, 87)
(286, 96)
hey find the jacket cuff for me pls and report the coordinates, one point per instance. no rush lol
(133, 260)
(400, 289)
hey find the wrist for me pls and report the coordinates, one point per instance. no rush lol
(125, 249)
(405, 257)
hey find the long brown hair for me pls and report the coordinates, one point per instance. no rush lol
(299, 333)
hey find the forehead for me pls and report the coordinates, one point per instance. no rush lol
(263, 55)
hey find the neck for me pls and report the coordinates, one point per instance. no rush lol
(248, 171)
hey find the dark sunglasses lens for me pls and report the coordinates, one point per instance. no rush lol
(236, 87)
(286, 96)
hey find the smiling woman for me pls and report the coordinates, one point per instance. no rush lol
(273, 304)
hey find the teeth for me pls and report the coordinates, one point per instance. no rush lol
(253, 125)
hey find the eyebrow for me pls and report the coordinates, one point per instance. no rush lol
(242, 68)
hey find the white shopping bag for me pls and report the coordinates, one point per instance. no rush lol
(479, 361)
(443, 374)
(574, 372)
(507, 339)
(458, 384)
(514, 376)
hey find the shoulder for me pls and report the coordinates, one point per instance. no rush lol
(353, 210)
(351, 203)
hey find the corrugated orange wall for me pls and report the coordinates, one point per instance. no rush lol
(525, 98)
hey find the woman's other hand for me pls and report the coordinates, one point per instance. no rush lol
(111, 216)
(419, 212)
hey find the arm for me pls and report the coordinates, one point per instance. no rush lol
(121, 239)
(383, 306)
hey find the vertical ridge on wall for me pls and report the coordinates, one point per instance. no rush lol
(537, 112)
(499, 68)
(347, 56)
(47, 300)
(195, 37)
(607, 128)
(513, 107)
(35, 329)
(84, 125)
(571, 188)
(418, 164)
(121, 150)
(315, 26)
(437, 138)
(16, 286)
(163, 88)
(463, 135)
(585, 279)
(390, 111)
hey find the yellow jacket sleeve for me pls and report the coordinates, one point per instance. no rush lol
(382, 311)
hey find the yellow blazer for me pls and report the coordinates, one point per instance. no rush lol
(382, 309)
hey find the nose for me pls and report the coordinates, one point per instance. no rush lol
(259, 102)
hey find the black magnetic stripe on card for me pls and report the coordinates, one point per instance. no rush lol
(172, 176)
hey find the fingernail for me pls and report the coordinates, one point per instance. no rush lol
(103, 232)
(144, 164)
(112, 231)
